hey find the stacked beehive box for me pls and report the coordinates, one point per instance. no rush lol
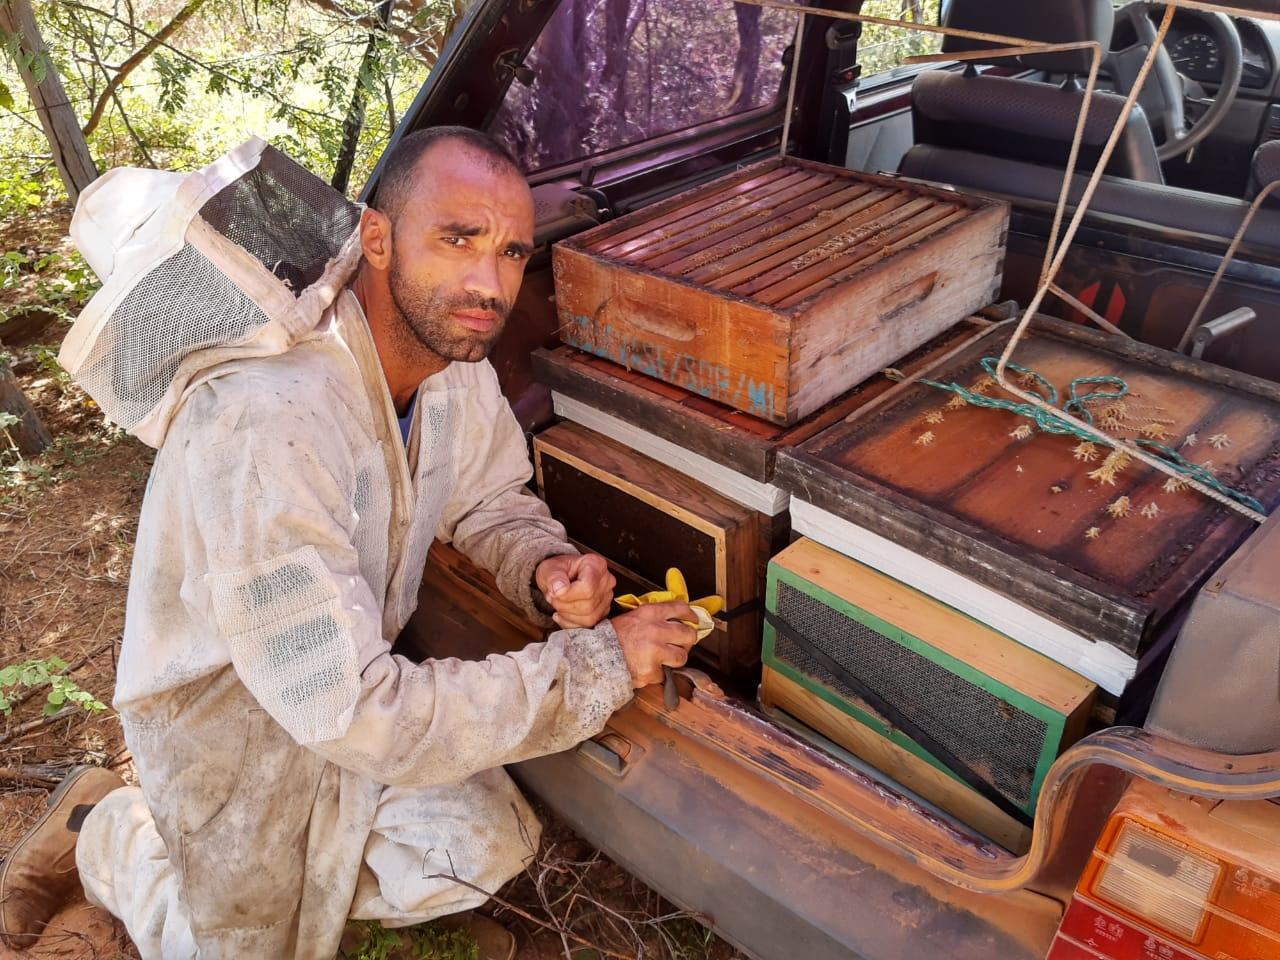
(778, 288)
(1082, 556)
(710, 333)
(651, 475)
(966, 583)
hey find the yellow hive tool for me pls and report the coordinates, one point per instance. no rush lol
(703, 609)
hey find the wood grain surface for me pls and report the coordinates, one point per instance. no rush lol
(779, 287)
(718, 432)
(1021, 514)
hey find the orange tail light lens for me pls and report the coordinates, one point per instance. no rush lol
(1158, 879)
(1176, 878)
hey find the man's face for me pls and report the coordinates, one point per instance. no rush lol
(460, 244)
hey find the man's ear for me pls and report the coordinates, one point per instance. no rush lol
(375, 238)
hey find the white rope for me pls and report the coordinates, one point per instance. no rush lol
(1087, 310)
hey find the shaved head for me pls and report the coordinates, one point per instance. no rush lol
(404, 163)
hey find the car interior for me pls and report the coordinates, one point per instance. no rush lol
(1012, 135)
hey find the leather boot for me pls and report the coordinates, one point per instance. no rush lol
(39, 875)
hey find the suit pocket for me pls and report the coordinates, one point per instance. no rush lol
(244, 867)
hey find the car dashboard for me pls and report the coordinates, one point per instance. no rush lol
(1221, 163)
(1197, 55)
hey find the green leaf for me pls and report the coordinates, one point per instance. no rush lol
(6, 96)
(57, 697)
(8, 675)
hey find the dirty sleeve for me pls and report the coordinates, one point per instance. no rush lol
(284, 591)
(492, 517)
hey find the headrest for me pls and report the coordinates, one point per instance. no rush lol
(1056, 21)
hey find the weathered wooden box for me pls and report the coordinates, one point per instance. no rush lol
(587, 386)
(1029, 517)
(644, 517)
(781, 286)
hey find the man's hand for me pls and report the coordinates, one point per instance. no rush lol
(652, 637)
(579, 589)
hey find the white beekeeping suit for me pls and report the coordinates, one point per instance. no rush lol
(293, 771)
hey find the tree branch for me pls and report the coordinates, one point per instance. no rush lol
(142, 147)
(210, 68)
(155, 41)
(412, 40)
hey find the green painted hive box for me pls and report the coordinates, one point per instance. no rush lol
(839, 633)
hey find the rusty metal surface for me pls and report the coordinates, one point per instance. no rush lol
(948, 852)
(776, 877)
(778, 233)
(1028, 500)
(794, 853)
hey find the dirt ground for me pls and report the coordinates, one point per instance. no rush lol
(67, 523)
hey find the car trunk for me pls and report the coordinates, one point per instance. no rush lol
(788, 846)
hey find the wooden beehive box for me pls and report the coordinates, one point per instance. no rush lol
(1001, 709)
(1018, 512)
(728, 437)
(643, 517)
(779, 287)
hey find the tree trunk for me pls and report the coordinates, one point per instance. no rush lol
(747, 64)
(29, 433)
(70, 149)
(613, 78)
(354, 121)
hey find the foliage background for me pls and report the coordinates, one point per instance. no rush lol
(285, 69)
(882, 48)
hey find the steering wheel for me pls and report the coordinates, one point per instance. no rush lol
(1169, 98)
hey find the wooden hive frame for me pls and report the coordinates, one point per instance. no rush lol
(570, 459)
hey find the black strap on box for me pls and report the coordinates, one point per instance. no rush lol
(898, 719)
(741, 610)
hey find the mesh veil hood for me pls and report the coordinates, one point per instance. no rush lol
(237, 260)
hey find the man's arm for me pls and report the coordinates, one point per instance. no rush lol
(304, 630)
(492, 517)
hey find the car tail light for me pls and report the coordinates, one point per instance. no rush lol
(1178, 878)
(1158, 879)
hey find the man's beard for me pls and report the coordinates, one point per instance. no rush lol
(426, 311)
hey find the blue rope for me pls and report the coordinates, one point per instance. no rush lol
(1077, 403)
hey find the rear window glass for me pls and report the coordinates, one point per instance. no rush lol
(882, 49)
(609, 73)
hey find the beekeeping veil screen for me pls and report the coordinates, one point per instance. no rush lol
(239, 259)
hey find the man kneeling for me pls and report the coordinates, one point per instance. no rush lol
(315, 380)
